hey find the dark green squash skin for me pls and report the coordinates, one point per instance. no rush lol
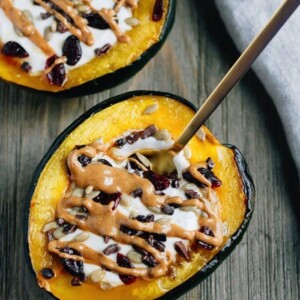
(248, 188)
(119, 76)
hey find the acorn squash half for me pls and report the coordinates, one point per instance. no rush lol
(108, 120)
(111, 65)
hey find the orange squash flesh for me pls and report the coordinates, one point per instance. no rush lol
(143, 36)
(109, 123)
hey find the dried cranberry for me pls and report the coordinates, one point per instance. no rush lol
(74, 267)
(149, 260)
(160, 182)
(96, 21)
(114, 248)
(47, 273)
(105, 162)
(57, 75)
(159, 246)
(209, 174)
(103, 50)
(123, 261)
(145, 219)
(50, 236)
(137, 193)
(81, 217)
(77, 147)
(132, 137)
(26, 66)
(106, 239)
(140, 250)
(61, 27)
(120, 142)
(133, 165)
(45, 15)
(206, 230)
(60, 221)
(128, 230)
(168, 209)
(175, 205)
(76, 281)
(14, 49)
(105, 199)
(84, 160)
(181, 249)
(72, 50)
(158, 10)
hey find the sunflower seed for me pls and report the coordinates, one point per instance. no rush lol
(155, 209)
(163, 135)
(134, 257)
(54, 26)
(189, 186)
(88, 189)
(133, 213)
(78, 192)
(48, 34)
(18, 31)
(151, 109)
(97, 275)
(143, 159)
(58, 233)
(83, 8)
(132, 22)
(81, 237)
(126, 200)
(27, 14)
(163, 221)
(188, 208)
(92, 194)
(201, 134)
(50, 226)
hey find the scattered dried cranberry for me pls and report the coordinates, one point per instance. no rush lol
(175, 205)
(50, 236)
(123, 261)
(140, 250)
(106, 239)
(158, 10)
(60, 221)
(149, 236)
(26, 66)
(149, 260)
(145, 219)
(181, 249)
(160, 182)
(72, 50)
(14, 49)
(69, 228)
(47, 273)
(128, 230)
(74, 267)
(105, 162)
(105, 199)
(168, 209)
(96, 21)
(159, 245)
(133, 165)
(103, 50)
(80, 217)
(192, 194)
(188, 176)
(114, 248)
(137, 193)
(209, 174)
(84, 160)
(120, 142)
(57, 75)
(77, 147)
(132, 137)
(148, 131)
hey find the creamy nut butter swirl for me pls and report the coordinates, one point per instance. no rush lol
(40, 30)
(119, 220)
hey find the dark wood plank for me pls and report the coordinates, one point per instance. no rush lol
(265, 264)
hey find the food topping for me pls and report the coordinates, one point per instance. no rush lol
(120, 220)
(71, 31)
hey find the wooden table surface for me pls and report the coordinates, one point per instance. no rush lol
(266, 264)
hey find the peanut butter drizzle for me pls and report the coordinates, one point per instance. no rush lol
(103, 220)
(20, 21)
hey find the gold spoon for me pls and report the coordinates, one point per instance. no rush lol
(163, 160)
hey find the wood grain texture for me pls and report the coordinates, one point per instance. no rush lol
(266, 263)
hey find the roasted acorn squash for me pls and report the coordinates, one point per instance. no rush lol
(109, 119)
(112, 64)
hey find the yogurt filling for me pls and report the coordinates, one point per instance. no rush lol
(119, 220)
(54, 38)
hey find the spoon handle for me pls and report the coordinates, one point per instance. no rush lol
(237, 71)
